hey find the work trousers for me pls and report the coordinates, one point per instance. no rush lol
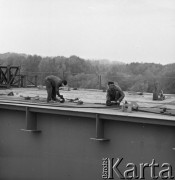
(51, 91)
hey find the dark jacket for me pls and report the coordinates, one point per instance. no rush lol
(54, 82)
(114, 93)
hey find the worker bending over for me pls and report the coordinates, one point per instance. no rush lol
(114, 94)
(53, 83)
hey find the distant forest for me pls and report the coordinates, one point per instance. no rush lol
(94, 74)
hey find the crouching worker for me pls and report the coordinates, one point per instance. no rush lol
(114, 94)
(53, 83)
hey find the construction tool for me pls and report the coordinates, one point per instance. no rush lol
(129, 107)
(76, 100)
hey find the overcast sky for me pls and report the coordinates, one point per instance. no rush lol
(122, 30)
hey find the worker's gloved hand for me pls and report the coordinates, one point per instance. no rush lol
(118, 102)
(61, 96)
(62, 100)
(108, 103)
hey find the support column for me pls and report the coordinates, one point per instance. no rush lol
(99, 130)
(36, 80)
(8, 76)
(31, 121)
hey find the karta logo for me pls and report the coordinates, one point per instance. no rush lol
(112, 170)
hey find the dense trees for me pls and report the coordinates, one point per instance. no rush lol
(82, 73)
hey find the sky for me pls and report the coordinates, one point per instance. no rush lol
(117, 30)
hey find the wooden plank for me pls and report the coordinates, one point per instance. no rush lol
(42, 101)
(170, 112)
(56, 104)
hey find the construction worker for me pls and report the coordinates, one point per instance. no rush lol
(114, 94)
(157, 92)
(162, 96)
(53, 83)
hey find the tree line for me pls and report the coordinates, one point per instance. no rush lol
(94, 74)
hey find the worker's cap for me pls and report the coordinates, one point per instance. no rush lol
(64, 82)
(110, 82)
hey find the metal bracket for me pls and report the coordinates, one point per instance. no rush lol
(99, 130)
(31, 122)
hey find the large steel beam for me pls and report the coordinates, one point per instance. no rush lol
(136, 117)
(64, 150)
(31, 121)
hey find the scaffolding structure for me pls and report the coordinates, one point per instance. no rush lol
(10, 76)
